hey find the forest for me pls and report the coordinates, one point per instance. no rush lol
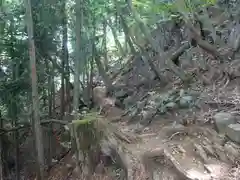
(119, 89)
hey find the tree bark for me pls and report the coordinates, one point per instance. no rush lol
(1, 149)
(35, 99)
(105, 45)
(125, 27)
(64, 58)
(50, 112)
(202, 43)
(177, 71)
(120, 48)
(79, 25)
(107, 81)
(127, 34)
(13, 105)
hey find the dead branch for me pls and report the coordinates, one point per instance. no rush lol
(174, 57)
(56, 121)
(202, 43)
(179, 51)
(4, 130)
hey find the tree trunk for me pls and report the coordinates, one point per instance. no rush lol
(64, 57)
(35, 99)
(107, 81)
(50, 107)
(126, 31)
(90, 86)
(125, 27)
(177, 71)
(62, 93)
(49, 90)
(1, 149)
(14, 116)
(79, 25)
(14, 105)
(53, 94)
(105, 45)
(202, 43)
(120, 48)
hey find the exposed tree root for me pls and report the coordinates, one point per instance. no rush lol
(114, 141)
(167, 157)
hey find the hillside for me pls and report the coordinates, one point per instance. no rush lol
(164, 126)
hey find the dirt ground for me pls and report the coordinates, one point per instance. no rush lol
(193, 151)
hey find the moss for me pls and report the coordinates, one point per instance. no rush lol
(85, 132)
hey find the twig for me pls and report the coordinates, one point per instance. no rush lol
(174, 134)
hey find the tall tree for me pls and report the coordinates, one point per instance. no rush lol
(35, 98)
(105, 45)
(115, 36)
(1, 148)
(65, 65)
(14, 100)
(79, 25)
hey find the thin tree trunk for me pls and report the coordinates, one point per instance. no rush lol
(65, 61)
(126, 31)
(125, 27)
(107, 81)
(35, 99)
(14, 123)
(53, 97)
(90, 86)
(177, 71)
(120, 48)
(49, 93)
(62, 93)
(64, 47)
(68, 88)
(14, 108)
(105, 45)
(79, 24)
(1, 149)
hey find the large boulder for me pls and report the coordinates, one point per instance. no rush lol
(222, 120)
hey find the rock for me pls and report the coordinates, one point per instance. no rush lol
(121, 94)
(233, 132)
(147, 115)
(128, 102)
(222, 120)
(171, 105)
(141, 104)
(186, 101)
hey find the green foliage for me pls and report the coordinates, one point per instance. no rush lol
(188, 6)
(163, 10)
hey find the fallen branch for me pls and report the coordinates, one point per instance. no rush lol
(174, 57)
(4, 130)
(56, 121)
(202, 43)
